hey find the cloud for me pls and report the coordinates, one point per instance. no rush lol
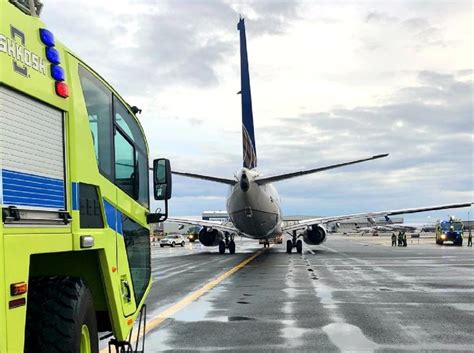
(149, 46)
(331, 82)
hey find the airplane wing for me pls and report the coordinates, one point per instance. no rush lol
(225, 227)
(323, 220)
(206, 177)
(275, 178)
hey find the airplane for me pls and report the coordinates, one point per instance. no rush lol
(389, 226)
(253, 203)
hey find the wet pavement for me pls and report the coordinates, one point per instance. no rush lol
(356, 295)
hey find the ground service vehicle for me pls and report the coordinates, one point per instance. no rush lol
(74, 195)
(193, 234)
(172, 240)
(450, 230)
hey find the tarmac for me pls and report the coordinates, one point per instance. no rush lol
(355, 294)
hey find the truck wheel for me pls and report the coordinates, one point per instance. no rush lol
(60, 317)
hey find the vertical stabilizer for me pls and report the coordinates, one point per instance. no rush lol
(248, 136)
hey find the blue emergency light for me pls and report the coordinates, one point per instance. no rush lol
(52, 55)
(47, 37)
(57, 72)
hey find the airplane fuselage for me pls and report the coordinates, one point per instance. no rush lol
(254, 209)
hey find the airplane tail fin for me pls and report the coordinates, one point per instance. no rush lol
(388, 220)
(271, 179)
(248, 135)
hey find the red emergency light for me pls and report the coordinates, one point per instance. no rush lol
(62, 89)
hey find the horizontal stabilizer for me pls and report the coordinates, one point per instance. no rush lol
(207, 177)
(272, 179)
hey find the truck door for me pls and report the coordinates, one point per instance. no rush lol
(121, 153)
(131, 177)
(99, 105)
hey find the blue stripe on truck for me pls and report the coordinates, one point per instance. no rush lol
(24, 189)
(114, 217)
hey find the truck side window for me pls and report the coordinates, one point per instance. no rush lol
(99, 108)
(125, 165)
(137, 241)
(126, 124)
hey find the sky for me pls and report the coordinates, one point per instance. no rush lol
(331, 81)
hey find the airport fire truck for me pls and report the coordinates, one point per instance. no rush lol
(74, 197)
(449, 230)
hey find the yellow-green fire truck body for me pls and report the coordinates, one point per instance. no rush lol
(74, 190)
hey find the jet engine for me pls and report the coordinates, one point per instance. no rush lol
(210, 236)
(314, 235)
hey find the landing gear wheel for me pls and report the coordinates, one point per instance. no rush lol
(299, 246)
(289, 246)
(60, 317)
(221, 247)
(232, 247)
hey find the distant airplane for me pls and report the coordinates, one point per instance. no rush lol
(253, 203)
(389, 226)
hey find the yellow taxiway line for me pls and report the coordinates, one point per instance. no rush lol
(157, 320)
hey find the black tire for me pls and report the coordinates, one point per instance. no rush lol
(221, 247)
(232, 247)
(172, 244)
(161, 245)
(58, 308)
(182, 243)
(289, 246)
(299, 246)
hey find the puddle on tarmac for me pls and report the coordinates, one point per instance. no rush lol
(291, 333)
(201, 308)
(156, 341)
(240, 318)
(287, 308)
(325, 294)
(463, 306)
(348, 338)
(385, 289)
(291, 292)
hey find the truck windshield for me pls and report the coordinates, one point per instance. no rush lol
(456, 225)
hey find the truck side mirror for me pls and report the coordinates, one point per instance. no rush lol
(162, 179)
(161, 188)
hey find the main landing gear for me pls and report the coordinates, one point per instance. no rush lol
(228, 243)
(294, 242)
(266, 243)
